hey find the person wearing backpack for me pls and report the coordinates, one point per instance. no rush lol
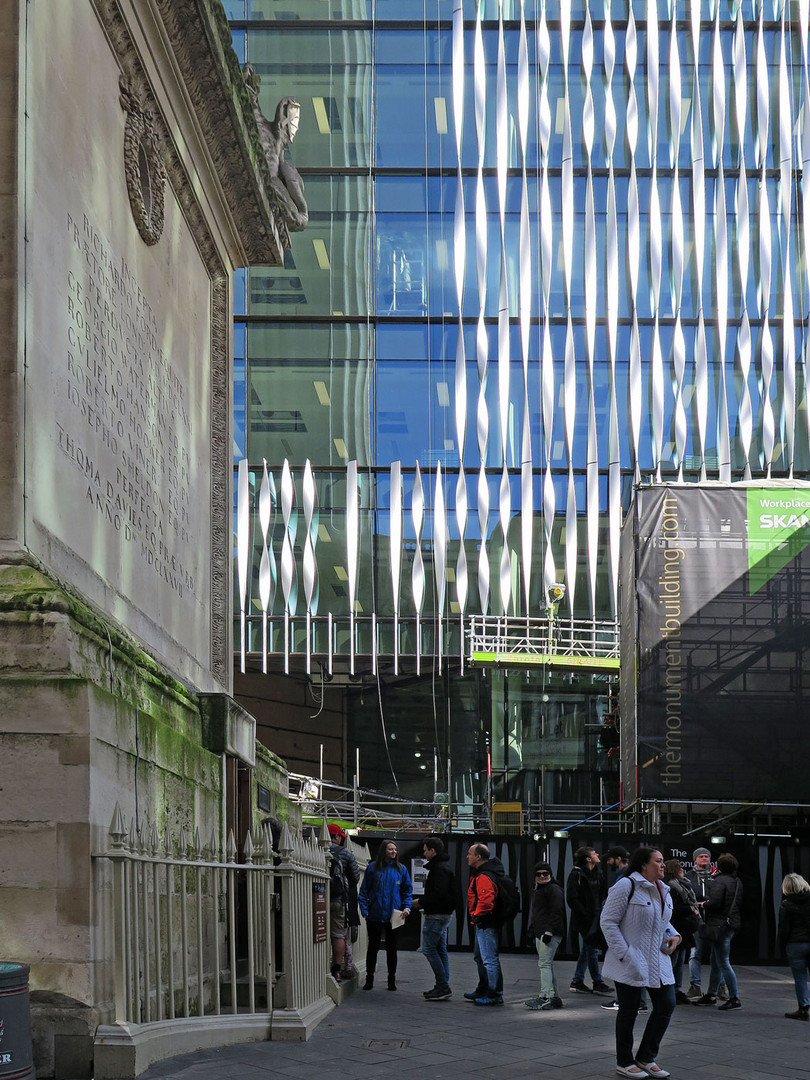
(343, 873)
(637, 923)
(386, 889)
(492, 900)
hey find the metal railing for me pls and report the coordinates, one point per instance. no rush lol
(175, 933)
(371, 810)
(196, 936)
(567, 642)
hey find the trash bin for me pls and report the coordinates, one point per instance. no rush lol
(16, 1061)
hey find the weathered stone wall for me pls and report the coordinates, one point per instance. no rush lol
(106, 726)
(90, 721)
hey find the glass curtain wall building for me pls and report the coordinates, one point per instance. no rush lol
(555, 249)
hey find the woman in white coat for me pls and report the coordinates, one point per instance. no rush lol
(636, 922)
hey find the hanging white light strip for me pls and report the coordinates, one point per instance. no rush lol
(242, 550)
(418, 568)
(788, 396)
(654, 241)
(439, 560)
(481, 341)
(764, 246)
(396, 550)
(701, 397)
(267, 565)
(352, 552)
(526, 294)
(546, 271)
(504, 350)
(569, 369)
(310, 563)
(612, 313)
(459, 264)
(720, 247)
(289, 580)
(591, 301)
(633, 240)
(676, 244)
(741, 215)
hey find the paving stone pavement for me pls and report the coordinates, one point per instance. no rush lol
(398, 1035)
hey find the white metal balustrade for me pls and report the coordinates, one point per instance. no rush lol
(568, 643)
(200, 941)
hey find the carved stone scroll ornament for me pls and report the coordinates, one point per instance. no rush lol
(275, 136)
(143, 167)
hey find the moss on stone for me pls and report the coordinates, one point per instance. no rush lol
(26, 589)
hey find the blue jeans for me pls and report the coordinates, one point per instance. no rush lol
(662, 999)
(588, 958)
(699, 955)
(545, 957)
(798, 956)
(434, 947)
(678, 960)
(694, 962)
(485, 955)
(721, 969)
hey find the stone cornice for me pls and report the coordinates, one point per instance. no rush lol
(200, 38)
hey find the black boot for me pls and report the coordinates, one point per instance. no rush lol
(802, 1013)
(369, 983)
(732, 1003)
(392, 982)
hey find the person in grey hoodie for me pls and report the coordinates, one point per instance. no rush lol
(637, 924)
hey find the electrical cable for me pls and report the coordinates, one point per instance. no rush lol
(318, 696)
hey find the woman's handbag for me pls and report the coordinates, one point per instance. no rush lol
(714, 931)
(689, 920)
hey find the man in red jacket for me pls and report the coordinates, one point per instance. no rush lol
(482, 899)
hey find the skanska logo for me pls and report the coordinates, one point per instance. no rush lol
(784, 521)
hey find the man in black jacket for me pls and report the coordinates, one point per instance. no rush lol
(585, 893)
(437, 906)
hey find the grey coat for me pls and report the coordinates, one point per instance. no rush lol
(635, 932)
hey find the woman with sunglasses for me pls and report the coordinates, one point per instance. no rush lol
(547, 926)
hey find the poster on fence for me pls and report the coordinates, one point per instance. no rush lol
(320, 930)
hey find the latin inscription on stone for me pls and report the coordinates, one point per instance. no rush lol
(126, 430)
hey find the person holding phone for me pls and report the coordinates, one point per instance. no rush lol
(637, 924)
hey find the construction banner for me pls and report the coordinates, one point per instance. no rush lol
(720, 618)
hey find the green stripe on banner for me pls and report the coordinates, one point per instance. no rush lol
(778, 530)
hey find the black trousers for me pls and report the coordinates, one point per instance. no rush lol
(662, 1000)
(375, 931)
